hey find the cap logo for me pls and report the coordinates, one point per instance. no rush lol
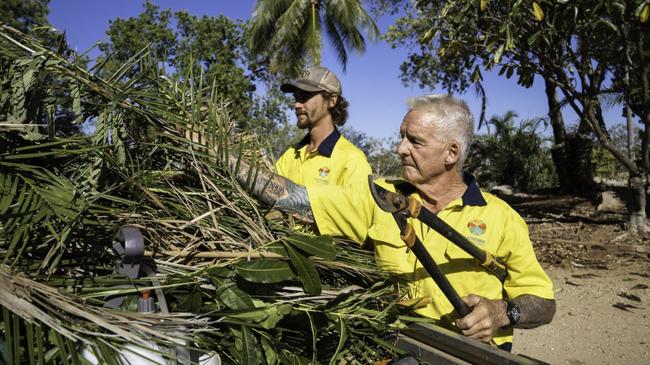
(476, 226)
(305, 74)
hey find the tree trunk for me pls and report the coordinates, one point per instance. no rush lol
(571, 152)
(580, 171)
(637, 207)
(558, 151)
(315, 48)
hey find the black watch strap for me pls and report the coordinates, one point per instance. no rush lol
(513, 312)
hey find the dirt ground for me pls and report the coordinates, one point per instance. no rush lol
(601, 276)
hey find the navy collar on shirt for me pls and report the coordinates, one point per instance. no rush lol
(472, 196)
(326, 147)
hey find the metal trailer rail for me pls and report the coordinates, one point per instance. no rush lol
(440, 346)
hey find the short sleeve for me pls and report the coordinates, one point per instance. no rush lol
(343, 210)
(525, 274)
(357, 170)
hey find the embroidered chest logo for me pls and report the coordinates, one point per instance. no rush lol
(323, 172)
(476, 226)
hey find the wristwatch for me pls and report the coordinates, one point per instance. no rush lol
(513, 312)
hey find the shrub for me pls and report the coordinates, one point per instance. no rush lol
(513, 155)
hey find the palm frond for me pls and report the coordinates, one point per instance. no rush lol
(290, 32)
(263, 23)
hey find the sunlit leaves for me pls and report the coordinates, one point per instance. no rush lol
(583, 51)
(306, 271)
(24, 74)
(484, 4)
(643, 12)
(538, 12)
(499, 53)
(33, 200)
(289, 31)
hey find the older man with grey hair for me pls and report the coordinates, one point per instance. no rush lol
(435, 136)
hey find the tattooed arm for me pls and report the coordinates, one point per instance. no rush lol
(273, 189)
(535, 311)
(487, 316)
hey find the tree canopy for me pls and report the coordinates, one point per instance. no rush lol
(24, 15)
(208, 50)
(588, 50)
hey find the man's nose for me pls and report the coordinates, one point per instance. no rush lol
(401, 148)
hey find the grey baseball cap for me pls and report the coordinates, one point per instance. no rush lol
(314, 79)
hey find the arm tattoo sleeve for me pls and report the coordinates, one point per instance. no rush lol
(296, 202)
(273, 189)
(535, 311)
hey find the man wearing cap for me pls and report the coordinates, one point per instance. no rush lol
(324, 156)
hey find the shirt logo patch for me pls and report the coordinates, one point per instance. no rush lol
(476, 226)
(323, 172)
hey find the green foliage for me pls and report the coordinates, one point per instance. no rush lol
(55, 112)
(156, 162)
(384, 160)
(129, 36)
(288, 32)
(265, 271)
(585, 48)
(422, 29)
(605, 164)
(320, 246)
(207, 50)
(512, 155)
(35, 339)
(24, 15)
(379, 152)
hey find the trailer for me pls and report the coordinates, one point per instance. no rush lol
(436, 345)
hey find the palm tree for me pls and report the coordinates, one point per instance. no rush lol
(289, 32)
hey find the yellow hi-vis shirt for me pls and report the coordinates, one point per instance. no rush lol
(482, 218)
(336, 161)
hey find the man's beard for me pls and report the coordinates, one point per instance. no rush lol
(302, 123)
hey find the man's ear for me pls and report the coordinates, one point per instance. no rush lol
(453, 153)
(333, 100)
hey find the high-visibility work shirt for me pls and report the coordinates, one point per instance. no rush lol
(482, 218)
(336, 161)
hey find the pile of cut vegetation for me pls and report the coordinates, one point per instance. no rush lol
(133, 239)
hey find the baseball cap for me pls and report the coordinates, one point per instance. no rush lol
(314, 79)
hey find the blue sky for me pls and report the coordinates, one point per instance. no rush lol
(371, 84)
